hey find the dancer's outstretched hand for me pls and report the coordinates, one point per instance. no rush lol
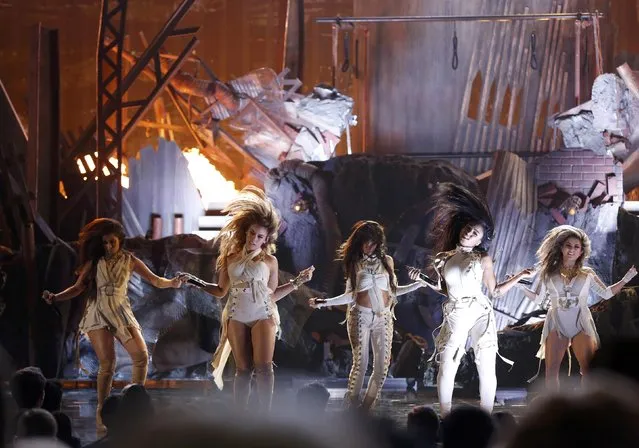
(632, 272)
(48, 296)
(306, 275)
(527, 273)
(315, 302)
(414, 274)
(178, 281)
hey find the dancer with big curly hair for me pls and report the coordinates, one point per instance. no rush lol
(248, 272)
(563, 283)
(105, 269)
(371, 291)
(461, 228)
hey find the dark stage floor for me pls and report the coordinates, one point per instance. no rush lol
(395, 403)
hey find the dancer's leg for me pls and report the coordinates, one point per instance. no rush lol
(103, 343)
(263, 341)
(359, 335)
(381, 340)
(239, 338)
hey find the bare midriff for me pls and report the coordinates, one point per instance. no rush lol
(363, 298)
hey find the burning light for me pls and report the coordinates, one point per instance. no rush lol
(89, 165)
(214, 189)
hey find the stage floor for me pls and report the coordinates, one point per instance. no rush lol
(395, 402)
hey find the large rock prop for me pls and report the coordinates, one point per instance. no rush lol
(606, 122)
(320, 202)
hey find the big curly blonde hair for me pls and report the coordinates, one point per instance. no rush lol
(250, 207)
(549, 256)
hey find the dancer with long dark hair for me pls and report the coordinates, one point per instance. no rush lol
(104, 270)
(371, 291)
(461, 228)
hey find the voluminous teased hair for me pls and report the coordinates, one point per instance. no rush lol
(92, 247)
(350, 252)
(549, 256)
(454, 208)
(250, 207)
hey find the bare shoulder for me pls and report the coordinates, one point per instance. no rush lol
(390, 260)
(271, 261)
(486, 260)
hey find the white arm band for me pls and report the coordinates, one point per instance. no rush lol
(342, 299)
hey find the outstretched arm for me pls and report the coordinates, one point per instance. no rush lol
(285, 289)
(159, 282)
(342, 299)
(218, 290)
(606, 292)
(404, 289)
(417, 275)
(72, 291)
(499, 290)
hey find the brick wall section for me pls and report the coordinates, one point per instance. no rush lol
(576, 170)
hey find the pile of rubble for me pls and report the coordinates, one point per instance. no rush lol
(609, 122)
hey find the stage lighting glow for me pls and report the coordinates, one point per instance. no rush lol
(213, 187)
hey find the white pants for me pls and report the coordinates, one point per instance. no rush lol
(472, 320)
(365, 329)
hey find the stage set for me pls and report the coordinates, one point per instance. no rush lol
(396, 203)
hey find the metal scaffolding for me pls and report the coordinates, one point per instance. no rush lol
(109, 69)
(149, 60)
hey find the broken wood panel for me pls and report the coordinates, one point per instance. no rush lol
(512, 200)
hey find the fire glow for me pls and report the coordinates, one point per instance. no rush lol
(214, 189)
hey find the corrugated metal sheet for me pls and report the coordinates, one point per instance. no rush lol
(512, 197)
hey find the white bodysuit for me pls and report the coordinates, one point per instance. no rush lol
(568, 311)
(249, 301)
(468, 318)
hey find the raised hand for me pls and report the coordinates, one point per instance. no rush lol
(632, 272)
(306, 274)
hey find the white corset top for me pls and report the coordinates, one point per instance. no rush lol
(463, 275)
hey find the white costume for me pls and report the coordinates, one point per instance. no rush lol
(567, 304)
(249, 301)
(369, 327)
(468, 314)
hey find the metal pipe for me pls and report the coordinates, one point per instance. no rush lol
(469, 155)
(475, 18)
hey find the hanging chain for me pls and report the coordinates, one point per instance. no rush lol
(533, 51)
(455, 62)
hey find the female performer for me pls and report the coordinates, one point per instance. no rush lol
(371, 288)
(462, 226)
(247, 269)
(105, 268)
(564, 282)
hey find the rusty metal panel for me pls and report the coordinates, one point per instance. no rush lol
(512, 200)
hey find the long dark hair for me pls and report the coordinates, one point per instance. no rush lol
(92, 247)
(350, 252)
(454, 208)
